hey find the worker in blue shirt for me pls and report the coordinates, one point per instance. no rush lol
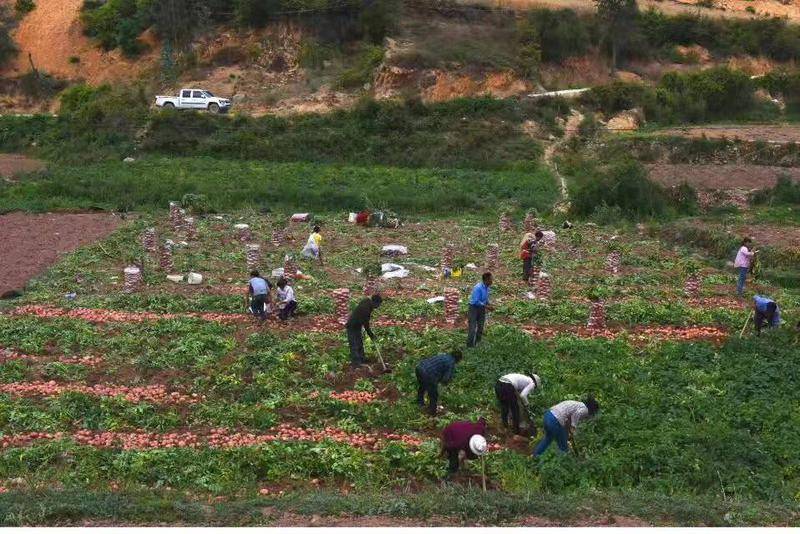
(478, 304)
(765, 310)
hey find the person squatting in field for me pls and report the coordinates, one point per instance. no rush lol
(258, 289)
(561, 421)
(765, 310)
(313, 245)
(478, 304)
(463, 437)
(512, 388)
(359, 318)
(529, 253)
(288, 303)
(744, 259)
(432, 371)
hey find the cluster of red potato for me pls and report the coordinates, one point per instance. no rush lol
(112, 316)
(355, 397)
(711, 333)
(154, 393)
(220, 438)
(89, 361)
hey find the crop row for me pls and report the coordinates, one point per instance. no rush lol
(112, 316)
(157, 393)
(219, 438)
(7, 355)
(639, 334)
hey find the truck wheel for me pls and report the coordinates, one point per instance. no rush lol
(169, 105)
(213, 108)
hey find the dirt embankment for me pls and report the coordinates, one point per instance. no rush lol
(29, 244)
(713, 177)
(768, 133)
(52, 35)
(721, 8)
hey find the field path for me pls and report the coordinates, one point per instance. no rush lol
(569, 130)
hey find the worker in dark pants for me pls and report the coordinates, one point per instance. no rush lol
(478, 304)
(359, 318)
(430, 372)
(765, 310)
(466, 437)
(258, 294)
(512, 388)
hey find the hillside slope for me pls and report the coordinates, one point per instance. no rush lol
(52, 34)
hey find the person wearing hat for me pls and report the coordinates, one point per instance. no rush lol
(509, 389)
(466, 437)
(430, 372)
(561, 420)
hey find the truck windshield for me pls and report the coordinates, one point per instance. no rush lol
(207, 93)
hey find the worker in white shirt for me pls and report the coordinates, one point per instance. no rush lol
(287, 303)
(509, 389)
(561, 420)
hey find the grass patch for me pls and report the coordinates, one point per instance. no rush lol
(151, 183)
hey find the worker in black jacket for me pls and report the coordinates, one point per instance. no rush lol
(359, 318)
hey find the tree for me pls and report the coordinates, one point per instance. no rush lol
(619, 21)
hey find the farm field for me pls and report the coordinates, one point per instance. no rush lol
(172, 399)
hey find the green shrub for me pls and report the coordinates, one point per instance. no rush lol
(23, 7)
(785, 191)
(8, 48)
(622, 185)
(694, 97)
(362, 72)
(255, 13)
(377, 19)
(559, 33)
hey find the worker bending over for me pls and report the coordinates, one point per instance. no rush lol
(561, 420)
(258, 294)
(463, 437)
(359, 318)
(313, 245)
(432, 371)
(512, 388)
(765, 310)
(287, 303)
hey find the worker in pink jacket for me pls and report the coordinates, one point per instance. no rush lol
(744, 259)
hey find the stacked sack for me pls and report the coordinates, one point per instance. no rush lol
(253, 255)
(149, 242)
(243, 232)
(133, 279)
(597, 315)
(506, 223)
(545, 287)
(166, 256)
(692, 286)
(613, 262)
(341, 302)
(492, 256)
(451, 305)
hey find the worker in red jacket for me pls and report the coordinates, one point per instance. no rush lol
(463, 436)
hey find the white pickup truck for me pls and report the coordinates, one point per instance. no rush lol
(194, 99)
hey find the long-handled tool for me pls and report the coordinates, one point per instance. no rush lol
(386, 368)
(749, 315)
(483, 472)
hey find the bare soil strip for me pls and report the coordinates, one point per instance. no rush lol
(29, 244)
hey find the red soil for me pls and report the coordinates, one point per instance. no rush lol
(29, 244)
